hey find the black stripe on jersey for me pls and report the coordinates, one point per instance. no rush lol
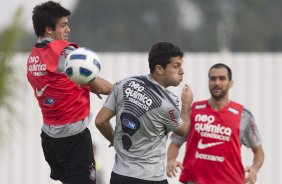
(149, 83)
(41, 44)
(134, 109)
(157, 89)
(137, 101)
(169, 98)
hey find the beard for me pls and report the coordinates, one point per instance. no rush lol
(218, 95)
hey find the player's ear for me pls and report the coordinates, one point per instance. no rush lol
(48, 30)
(231, 84)
(159, 69)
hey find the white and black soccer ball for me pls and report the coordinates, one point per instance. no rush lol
(82, 65)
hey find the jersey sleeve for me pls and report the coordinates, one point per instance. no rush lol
(111, 101)
(171, 117)
(62, 59)
(179, 140)
(249, 134)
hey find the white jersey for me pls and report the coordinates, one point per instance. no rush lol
(145, 113)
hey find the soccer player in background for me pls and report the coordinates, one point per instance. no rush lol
(218, 128)
(145, 112)
(65, 105)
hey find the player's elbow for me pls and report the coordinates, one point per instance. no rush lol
(181, 131)
(101, 86)
(99, 121)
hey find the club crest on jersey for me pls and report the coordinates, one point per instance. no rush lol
(48, 101)
(92, 170)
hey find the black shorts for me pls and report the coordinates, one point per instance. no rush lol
(71, 158)
(119, 179)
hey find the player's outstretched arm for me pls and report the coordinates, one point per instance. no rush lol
(100, 86)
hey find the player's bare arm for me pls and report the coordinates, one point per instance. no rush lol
(172, 163)
(100, 86)
(102, 122)
(252, 171)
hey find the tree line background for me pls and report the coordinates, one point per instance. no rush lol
(194, 25)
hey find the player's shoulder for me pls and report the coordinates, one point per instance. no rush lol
(247, 113)
(133, 80)
(235, 105)
(200, 102)
(130, 81)
(70, 47)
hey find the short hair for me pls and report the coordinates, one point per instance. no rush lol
(47, 14)
(161, 53)
(221, 65)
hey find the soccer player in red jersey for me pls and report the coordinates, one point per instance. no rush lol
(65, 105)
(219, 126)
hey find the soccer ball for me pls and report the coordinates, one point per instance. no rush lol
(82, 65)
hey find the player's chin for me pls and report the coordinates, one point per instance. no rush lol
(177, 83)
(217, 95)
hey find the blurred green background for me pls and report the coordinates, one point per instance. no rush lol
(194, 25)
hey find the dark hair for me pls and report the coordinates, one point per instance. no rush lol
(161, 53)
(47, 15)
(221, 65)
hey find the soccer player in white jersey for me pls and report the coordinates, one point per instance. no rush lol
(218, 128)
(145, 112)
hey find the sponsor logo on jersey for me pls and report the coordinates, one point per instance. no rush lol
(129, 124)
(202, 145)
(35, 67)
(48, 101)
(209, 157)
(253, 128)
(135, 93)
(204, 126)
(204, 118)
(172, 117)
(39, 92)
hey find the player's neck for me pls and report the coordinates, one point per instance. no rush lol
(218, 104)
(157, 79)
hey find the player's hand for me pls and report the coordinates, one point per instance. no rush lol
(251, 175)
(172, 168)
(187, 95)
